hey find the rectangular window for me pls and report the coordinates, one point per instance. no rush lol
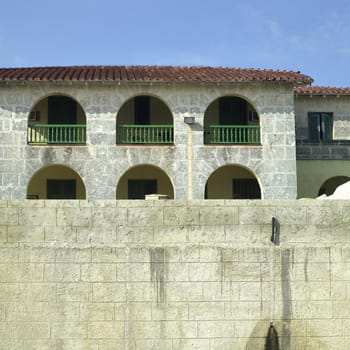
(138, 189)
(61, 189)
(246, 189)
(320, 126)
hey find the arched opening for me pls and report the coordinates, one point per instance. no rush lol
(143, 180)
(145, 120)
(57, 119)
(330, 185)
(232, 182)
(231, 120)
(56, 182)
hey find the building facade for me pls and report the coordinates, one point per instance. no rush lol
(121, 132)
(322, 139)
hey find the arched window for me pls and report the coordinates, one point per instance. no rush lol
(143, 180)
(145, 120)
(231, 120)
(232, 182)
(56, 182)
(57, 119)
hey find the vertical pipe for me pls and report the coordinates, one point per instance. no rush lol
(189, 161)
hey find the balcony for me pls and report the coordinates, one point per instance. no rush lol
(232, 134)
(145, 134)
(56, 134)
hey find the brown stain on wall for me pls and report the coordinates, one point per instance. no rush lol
(158, 270)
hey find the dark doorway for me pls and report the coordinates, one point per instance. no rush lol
(232, 111)
(61, 189)
(62, 110)
(142, 110)
(138, 189)
(246, 189)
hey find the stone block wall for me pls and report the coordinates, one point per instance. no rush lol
(334, 150)
(103, 275)
(188, 163)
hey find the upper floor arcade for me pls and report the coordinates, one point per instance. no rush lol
(147, 103)
(59, 119)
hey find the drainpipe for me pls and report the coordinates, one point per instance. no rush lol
(189, 121)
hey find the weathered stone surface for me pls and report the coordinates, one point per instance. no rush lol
(188, 162)
(209, 279)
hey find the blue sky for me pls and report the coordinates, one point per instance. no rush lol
(312, 36)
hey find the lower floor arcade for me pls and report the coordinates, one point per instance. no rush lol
(58, 181)
(232, 181)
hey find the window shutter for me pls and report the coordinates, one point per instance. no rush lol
(326, 126)
(314, 127)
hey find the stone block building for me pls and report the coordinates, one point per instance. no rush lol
(172, 275)
(122, 132)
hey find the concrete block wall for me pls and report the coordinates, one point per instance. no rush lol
(174, 275)
(335, 150)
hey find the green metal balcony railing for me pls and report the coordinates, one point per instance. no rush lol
(145, 134)
(232, 134)
(55, 133)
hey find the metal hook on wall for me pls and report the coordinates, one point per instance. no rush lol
(275, 236)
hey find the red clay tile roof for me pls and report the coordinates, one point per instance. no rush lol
(150, 73)
(321, 90)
